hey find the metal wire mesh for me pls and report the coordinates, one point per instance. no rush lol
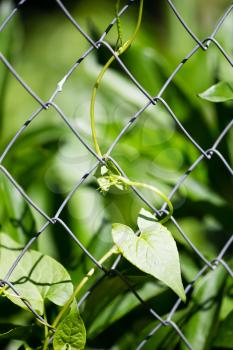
(205, 155)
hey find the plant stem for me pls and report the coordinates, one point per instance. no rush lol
(151, 188)
(118, 23)
(46, 333)
(122, 49)
(92, 106)
(109, 253)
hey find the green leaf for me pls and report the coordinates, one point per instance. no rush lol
(37, 277)
(227, 303)
(15, 214)
(220, 92)
(205, 305)
(70, 333)
(153, 252)
(224, 338)
(145, 220)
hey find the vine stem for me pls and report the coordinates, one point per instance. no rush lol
(106, 256)
(118, 23)
(128, 182)
(46, 331)
(122, 49)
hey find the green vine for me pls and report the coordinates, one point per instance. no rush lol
(119, 42)
(120, 51)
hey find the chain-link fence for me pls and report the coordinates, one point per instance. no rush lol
(205, 155)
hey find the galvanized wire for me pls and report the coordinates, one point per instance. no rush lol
(205, 155)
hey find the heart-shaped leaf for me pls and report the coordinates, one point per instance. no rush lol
(36, 277)
(70, 333)
(223, 91)
(153, 252)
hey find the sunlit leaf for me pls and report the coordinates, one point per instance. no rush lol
(37, 277)
(223, 91)
(153, 252)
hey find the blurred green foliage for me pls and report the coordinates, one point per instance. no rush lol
(47, 161)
